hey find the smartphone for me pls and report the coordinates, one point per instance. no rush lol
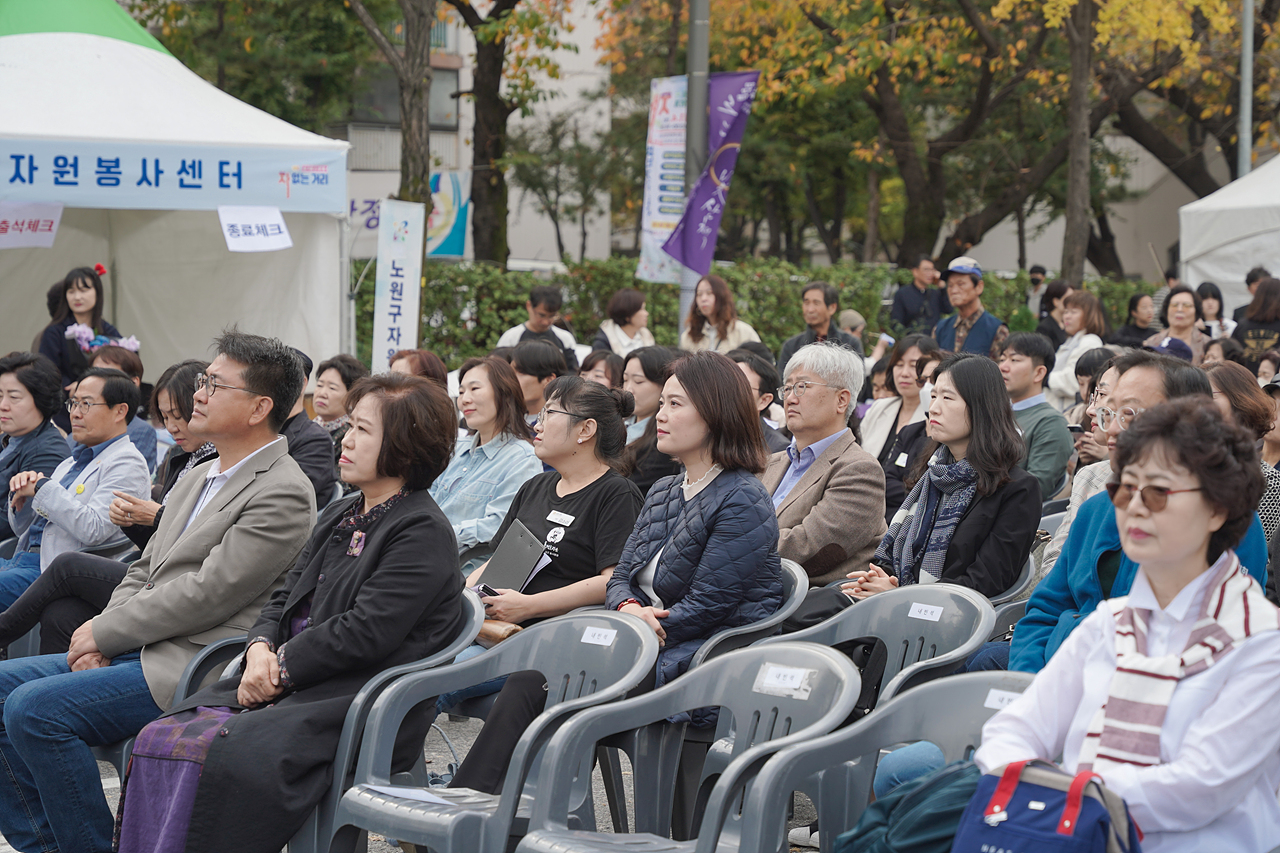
(1075, 428)
(888, 339)
(485, 590)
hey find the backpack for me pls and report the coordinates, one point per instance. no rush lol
(870, 655)
(919, 816)
(1034, 806)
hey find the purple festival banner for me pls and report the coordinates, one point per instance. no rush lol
(693, 241)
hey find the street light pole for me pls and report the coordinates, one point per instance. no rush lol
(1244, 144)
(695, 143)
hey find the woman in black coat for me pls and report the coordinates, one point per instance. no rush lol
(376, 586)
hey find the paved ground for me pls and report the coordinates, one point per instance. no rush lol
(462, 734)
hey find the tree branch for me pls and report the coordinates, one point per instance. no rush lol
(394, 59)
(1188, 168)
(974, 17)
(470, 16)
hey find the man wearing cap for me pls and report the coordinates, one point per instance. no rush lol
(971, 328)
(918, 306)
(1036, 274)
(819, 303)
(1173, 346)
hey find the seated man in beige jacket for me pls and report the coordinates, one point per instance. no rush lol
(230, 531)
(828, 492)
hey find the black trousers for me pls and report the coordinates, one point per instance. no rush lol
(75, 588)
(521, 699)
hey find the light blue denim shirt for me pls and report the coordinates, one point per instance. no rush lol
(477, 488)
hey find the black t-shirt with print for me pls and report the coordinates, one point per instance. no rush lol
(583, 533)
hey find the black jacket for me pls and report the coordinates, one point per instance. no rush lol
(774, 440)
(312, 448)
(170, 469)
(809, 336)
(398, 601)
(1050, 329)
(1130, 335)
(910, 442)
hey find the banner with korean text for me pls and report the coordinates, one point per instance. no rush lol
(663, 202)
(399, 280)
(693, 241)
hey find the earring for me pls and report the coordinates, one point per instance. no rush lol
(579, 441)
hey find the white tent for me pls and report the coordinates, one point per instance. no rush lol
(1226, 234)
(96, 115)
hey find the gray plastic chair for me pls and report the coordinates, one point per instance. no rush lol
(657, 749)
(840, 766)
(588, 659)
(1007, 615)
(7, 547)
(1026, 578)
(747, 685)
(1050, 523)
(28, 645)
(336, 494)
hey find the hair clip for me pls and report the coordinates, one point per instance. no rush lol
(100, 269)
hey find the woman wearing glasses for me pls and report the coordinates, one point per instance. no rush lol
(1194, 638)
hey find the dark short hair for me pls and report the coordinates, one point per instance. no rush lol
(1181, 379)
(1133, 305)
(1231, 349)
(1036, 347)
(1036, 268)
(1209, 290)
(54, 298)
(830, 295)
(1253, 407)
(719, 391)
(1265, 307)
(654, 362)
(608, 407)
(546, 296)
(179, 382)
(423, 363)
(1218, 453)
(613, 365)
(765, 369)
(117, 388)
(1171, 272)
(81, 274)
(507, 397)
(539, 359)
(39, 376)
(624, 304)
(128, 361)
(271, 369)
(503, 353)
(920, 259)
(349, 369)
(307, 364)
(924, 343)
(1054, 291)
(1195, 300)
(1092, 361)
(419, 426)
(1256, 274)
(759, 348)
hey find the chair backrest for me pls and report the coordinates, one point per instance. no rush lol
(928, 628)
(1050, 523)
(1025, 579)
(949, 712)
(7, 547)
(795, 585)
(336, 494)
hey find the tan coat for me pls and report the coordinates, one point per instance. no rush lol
(193, 587)
(833, 520)
(739, 333)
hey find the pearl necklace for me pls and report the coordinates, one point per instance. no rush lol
(714, 469)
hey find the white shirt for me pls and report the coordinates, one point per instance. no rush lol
(1215, 789)
(215, 478)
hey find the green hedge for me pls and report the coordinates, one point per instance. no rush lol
(465, 308)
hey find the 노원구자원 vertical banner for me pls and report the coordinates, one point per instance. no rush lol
(663, 177)
(399, 280)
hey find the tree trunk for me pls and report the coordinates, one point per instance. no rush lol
(1102, 251)
(1022, 238)
(1075, 242)
(489, 145)
(873, 217)
(673, 36)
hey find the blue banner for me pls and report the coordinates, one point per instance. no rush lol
(142, 176)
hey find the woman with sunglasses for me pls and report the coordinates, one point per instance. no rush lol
(1195, 638)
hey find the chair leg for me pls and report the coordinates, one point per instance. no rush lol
(684, 806)
(615, 790)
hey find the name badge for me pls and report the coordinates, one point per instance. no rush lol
(901, 461)
(558, 517)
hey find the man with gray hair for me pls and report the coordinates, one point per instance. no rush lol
(828, 492)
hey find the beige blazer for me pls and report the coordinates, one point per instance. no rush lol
(833, 520)
(195, 586)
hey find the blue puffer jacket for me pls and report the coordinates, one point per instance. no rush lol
(719, 568)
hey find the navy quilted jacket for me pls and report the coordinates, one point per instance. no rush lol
(720, 567)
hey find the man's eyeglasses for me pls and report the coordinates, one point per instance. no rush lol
(210, 385)
(74, 406)
(542, 415)
(799, 388)
(1154, 498)
(1125, 416)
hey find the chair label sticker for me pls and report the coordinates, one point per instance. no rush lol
(778, 680)
(999, 699)
(927, 612)
(599, 636)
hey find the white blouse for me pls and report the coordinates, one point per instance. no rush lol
(1220, 743)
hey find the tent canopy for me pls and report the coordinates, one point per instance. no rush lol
(98, 116)
(1227, 233)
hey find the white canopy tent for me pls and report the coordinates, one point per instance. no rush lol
(1227, 233)
(141, 151)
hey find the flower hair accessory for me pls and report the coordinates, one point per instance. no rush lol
(100, 269)
(90, 341)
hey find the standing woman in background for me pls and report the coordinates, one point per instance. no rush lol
(82, 303)
(1137, 327)
(1182, 311)
(1214, 324)
(713, 320)
(1054, 297)
(1259, 331)
(627, 328)
(1083, 320)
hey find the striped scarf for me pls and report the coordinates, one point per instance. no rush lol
(1126, 730)
(953, 485)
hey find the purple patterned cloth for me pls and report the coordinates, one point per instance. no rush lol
(159, 789)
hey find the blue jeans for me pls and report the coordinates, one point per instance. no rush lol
(51, 717)
(484, 688)
(903, 765)
(16, 575)
(991, 657)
